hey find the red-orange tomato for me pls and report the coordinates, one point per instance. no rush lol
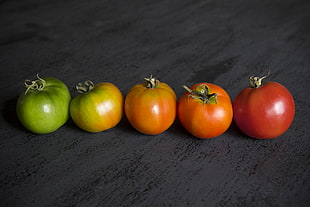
(151, 106)
(205, 110)
(98, 108)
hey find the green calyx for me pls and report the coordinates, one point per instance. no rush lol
(202, 93)
(151, 82)
(36, 85)
(85, 87)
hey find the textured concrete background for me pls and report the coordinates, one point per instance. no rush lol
(180, 42)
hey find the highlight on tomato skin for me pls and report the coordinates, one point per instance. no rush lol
(265, 110)
(205, 110)
(98, 107)
(150, 107)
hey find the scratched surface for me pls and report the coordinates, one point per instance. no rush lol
(180, 42)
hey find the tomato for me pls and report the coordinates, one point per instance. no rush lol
(205, 110)
(264, 110)
(44, 105)
(151, 106)
(99, 107)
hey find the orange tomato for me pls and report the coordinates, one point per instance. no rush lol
(205, 110)
(151, 106)
(98, 108)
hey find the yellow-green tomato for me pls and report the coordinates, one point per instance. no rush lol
(99, 107)
(44, 105)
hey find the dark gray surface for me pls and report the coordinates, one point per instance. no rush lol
(180, 42)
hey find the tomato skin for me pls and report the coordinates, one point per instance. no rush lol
(205, 120)
(265, 112)
(151, 111)
(99, 109)
(44, 111)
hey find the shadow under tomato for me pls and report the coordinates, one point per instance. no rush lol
(178, 130)
(72, 126)
(125, 127)
(234, 131)
(9, 113)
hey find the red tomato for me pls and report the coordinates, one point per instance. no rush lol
(98, 108)
(205, 110)
(151, 106)
(264, 110)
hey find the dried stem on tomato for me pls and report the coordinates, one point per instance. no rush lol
(256, 82)
(85, 87)
(37, 85)
(151, 82)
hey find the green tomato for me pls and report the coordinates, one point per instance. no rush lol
(44, 106)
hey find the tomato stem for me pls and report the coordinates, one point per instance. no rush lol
(85, 87)
(37, 85)
(202, 93)
(151, 82)
(256, 82)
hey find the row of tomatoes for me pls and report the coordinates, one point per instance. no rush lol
(264, 110)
